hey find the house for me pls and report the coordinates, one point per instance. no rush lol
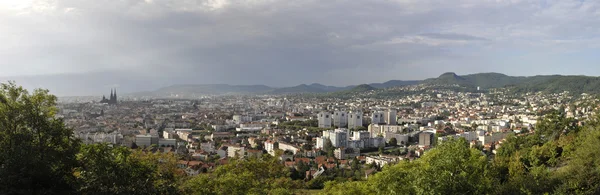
(222, 151)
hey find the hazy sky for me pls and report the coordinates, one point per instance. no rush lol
(288, 42)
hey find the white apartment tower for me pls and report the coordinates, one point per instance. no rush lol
(324, 119)
(377, 117)
(338, 137)
(391, 117)
(340, 119)
(355, 119)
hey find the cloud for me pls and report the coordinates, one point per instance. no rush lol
(280, 42)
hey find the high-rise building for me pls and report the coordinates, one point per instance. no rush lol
(338, 137)
(425, 139)
(377, 117)
(324, 119)
(355, 119)
(340, 119)
(391, 117)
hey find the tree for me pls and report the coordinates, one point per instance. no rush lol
(243, 176)
(393, 142)
(328, 147)
(451, 168)
(119, 170)
(37, 151)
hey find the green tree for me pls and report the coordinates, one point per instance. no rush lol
(393, 142)
(37, 151)
(243, 176)
(119, 170)
(328, 147)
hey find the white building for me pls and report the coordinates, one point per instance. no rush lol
(340, 119)
(391, 117)
(377, 117)
(241, 119)
(289, 147)
(338, 137)
(145, 140)
(377, 130)
(236, 151)
(382, 160)
(355, 120)
(324, 119)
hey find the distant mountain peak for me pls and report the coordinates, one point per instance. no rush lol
(449, 74)
(364, 87)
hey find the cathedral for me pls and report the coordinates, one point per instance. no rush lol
(113, 98)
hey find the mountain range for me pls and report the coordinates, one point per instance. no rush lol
(543, 83)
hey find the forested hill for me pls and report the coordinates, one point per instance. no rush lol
(540, 83)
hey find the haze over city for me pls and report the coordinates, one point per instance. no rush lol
(75, 47)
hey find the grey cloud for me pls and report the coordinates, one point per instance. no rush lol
(453, 36)
(149, 44)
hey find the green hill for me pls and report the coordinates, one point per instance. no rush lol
(540, 83)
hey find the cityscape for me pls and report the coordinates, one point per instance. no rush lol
(299, 97)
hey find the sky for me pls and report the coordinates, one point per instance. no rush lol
(82, 46)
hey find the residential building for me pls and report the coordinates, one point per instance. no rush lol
(355, 119)
(377, 117)
(426, 139)
(391, 117)
(324, 119)
(340, 119)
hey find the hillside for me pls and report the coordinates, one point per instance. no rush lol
(540, 83)
(394, 83)
(519, 84)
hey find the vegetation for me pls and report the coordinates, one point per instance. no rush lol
(558, 158)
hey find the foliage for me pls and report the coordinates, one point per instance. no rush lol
(38, 151)
(119, 170)
(451, 168)
(243, 176)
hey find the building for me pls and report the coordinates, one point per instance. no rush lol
(113, 98)
(236, 151)
(270, 147)
(338, 137)
(167, 142)
(340, 153)
(324, 119)
(145, 140)
(360, 135)
(377, 117)
(241, 119)
(340, 119)
(355, 120)
(346, 153)
(380, 130)
(382, 160)
(289, 147)
(426, 139)
(391, 117)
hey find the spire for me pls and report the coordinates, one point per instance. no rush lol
(111, 94)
